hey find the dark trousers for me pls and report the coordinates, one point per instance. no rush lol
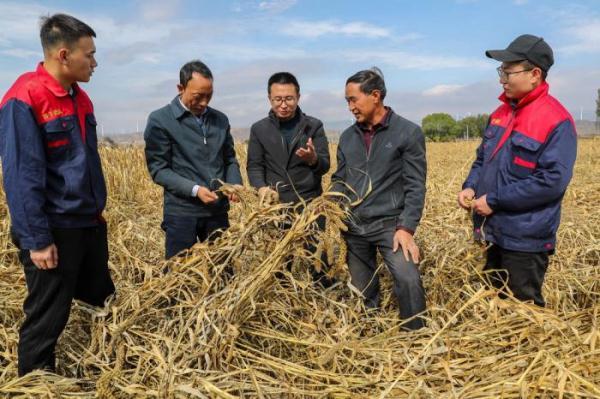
(82, 273)
(363, 243)
(320, 277)
(522, 272)
(182, 232)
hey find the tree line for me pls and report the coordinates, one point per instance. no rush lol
(443, 127)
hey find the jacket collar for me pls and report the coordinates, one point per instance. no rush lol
(382, 124)
(179, 111)
(275, 119)
(538, 92)
(51, 83)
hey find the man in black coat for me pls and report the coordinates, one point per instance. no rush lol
(288, 152)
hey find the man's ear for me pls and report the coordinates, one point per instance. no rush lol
(62, 55)
(376, 94)
(536, 74)
(180, 88)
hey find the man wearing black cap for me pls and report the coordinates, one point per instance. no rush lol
(523, 166)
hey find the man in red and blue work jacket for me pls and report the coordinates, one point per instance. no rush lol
(522, 170)
(55, 188)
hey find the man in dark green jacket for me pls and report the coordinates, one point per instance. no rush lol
(189, 151)
(382, 169)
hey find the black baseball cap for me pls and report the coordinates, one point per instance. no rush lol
(526, 47)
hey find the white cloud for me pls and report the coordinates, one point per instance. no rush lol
(20, 29)
(585, 34)
(405, 60)
(314, 29)
(140, 56)
(158, 10)
(276, 5)
(20, 21)
(21, 53)
(239, 53)
(441, 90)
(474, 98)
(575, 88)
(116, 34)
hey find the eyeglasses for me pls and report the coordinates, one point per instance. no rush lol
(505, 75)
(279, 100)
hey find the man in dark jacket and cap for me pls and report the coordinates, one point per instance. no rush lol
(522, 169)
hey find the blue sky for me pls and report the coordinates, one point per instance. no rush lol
(431, 52)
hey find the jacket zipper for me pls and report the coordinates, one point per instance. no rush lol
(287, 149)
(368, 154)
(204, 128)
(505, 136)
(296, 138)
(292, 143)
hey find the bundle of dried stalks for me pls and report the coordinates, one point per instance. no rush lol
(242, 318)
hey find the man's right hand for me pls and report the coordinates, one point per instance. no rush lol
(45, 258)
(267, 196)
(465, 198)
(207, 196)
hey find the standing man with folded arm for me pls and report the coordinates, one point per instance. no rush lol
(382, 166)
(189, 150)
(522, 169)
(55, 188)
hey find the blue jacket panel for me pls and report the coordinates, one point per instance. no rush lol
(524, 165)
(51, 166)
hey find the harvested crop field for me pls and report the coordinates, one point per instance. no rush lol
(223, 323)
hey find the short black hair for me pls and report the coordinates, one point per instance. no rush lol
(530, 65)
(369, 80)
(62, 28)
(192, 67)
(283, 78)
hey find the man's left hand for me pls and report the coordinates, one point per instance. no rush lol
(481, 207)
(308, 154)
(232, 196)
(405, 240)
